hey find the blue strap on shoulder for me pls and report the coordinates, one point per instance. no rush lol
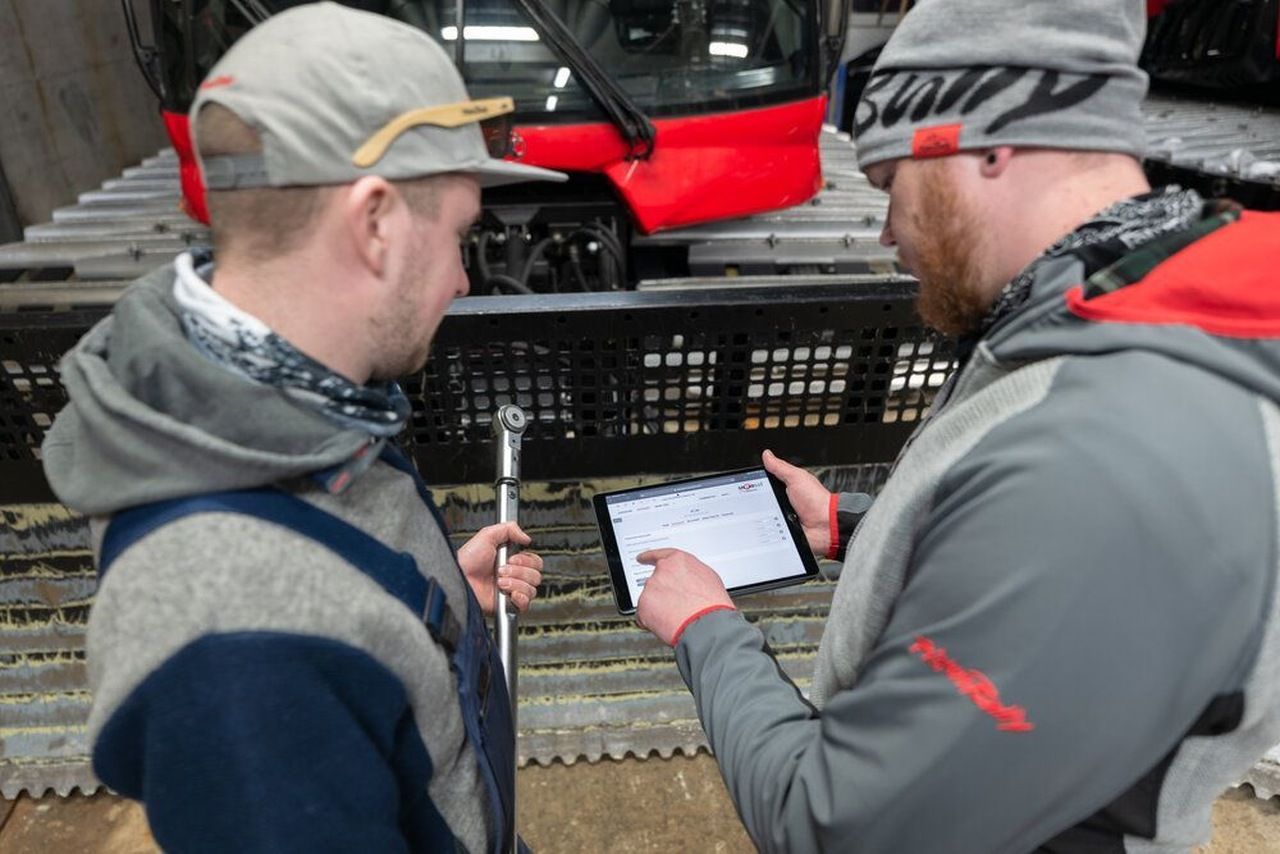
(395, 572)
(394, 457)
(486, 709)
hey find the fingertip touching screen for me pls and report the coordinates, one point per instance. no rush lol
(738, 523)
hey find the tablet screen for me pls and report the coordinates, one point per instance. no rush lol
(736, 523)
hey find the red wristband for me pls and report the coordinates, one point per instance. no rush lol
(834, 526)
(694, 616)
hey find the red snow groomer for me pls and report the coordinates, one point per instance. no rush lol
(666, 113)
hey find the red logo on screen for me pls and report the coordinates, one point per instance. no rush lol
(747, 487)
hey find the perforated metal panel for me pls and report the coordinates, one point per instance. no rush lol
(669, 382)
(31, 390)
(614, 384)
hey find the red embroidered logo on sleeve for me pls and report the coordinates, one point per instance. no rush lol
(217, 82)
(936, 141)
(973, 684)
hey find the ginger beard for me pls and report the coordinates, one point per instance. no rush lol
(946, 257)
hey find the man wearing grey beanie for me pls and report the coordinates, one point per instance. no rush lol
(1058, 627)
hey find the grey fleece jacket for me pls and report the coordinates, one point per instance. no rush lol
(1058, 627)
(253, 688)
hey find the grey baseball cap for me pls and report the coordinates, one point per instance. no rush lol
(336, 94)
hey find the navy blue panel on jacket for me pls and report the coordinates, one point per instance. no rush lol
(265, 741)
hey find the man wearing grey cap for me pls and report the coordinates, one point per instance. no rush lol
(1058, 627)
(285, 652)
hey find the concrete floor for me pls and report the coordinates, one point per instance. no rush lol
(676, 804)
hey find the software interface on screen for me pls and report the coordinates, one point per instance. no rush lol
(731, 523)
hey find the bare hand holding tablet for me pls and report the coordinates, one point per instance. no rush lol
(738, 523)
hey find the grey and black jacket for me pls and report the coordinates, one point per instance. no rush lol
(256, 690)
(1058, 627)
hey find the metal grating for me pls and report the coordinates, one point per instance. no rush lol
(675, 383)
(647, 381)
(31, 394)
(626, 382)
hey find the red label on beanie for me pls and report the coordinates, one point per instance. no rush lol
(936, 141)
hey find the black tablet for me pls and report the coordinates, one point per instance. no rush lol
(739, 523)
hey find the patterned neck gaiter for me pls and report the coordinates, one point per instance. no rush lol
(240, 342)
(1110, 235)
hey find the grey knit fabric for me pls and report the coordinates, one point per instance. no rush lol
(966, 74)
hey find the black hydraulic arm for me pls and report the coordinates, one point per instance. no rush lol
(147, 56)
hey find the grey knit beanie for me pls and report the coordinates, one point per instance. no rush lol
(965, 74)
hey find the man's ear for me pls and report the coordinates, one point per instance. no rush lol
(366, 212)
(995, 161)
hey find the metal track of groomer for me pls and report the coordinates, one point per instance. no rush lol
(684, 376)
(133, 223)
